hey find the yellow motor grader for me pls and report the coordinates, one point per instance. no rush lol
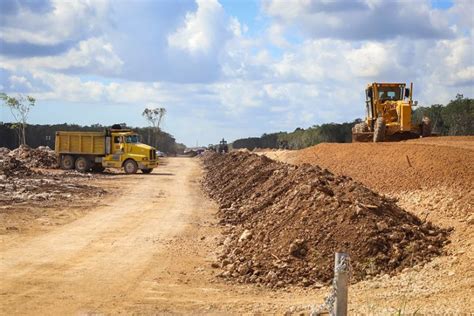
(389, 109)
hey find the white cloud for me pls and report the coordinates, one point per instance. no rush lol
(93, 56)
(19, 82)
(236, 96)
(371, 59)
(66, 21)
(308, 65)
(359, 19)
(203, 29)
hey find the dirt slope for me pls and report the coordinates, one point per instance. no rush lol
(394, 167)
(435, 183)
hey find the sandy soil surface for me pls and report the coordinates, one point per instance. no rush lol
(437, 186)
(148, 246)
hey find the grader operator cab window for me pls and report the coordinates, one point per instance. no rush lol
(389, 93)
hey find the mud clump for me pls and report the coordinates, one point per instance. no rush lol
(284, 223)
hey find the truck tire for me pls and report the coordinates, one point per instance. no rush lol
(67, 162)
(360, 128)
(130, 166)
(147, 171)
(82, 164)
(379, 130)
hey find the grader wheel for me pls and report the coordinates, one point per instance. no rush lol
(379, 130)
(359, 133)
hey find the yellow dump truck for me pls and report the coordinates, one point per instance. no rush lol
(112, 148)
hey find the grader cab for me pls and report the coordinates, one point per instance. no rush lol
(389, 115)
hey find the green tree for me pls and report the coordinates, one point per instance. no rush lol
(20, 109)
(154, 118)
(458, 116)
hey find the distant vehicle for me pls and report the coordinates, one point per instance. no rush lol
(223, 147)
(113, 148)
(160, 154)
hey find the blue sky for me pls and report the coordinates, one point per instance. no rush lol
(229, 68)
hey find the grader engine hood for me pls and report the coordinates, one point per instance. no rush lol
(390, 110)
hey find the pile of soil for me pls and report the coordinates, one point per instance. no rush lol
(395, 167)
(12, 167)
(285, 222)
(21, 184)
(41, 157)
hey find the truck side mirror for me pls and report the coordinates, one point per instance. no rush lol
(407, 93)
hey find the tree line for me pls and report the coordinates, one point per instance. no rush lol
(20, 132)
(454, 119)
(44, 135)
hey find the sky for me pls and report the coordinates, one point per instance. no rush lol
(229, 68)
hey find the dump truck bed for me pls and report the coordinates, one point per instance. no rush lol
(89, 143)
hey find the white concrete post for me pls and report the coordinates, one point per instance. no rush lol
(342, 276)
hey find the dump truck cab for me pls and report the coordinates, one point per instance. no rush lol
(389, 114)
(126, 145)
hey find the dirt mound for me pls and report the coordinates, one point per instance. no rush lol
(12, 167)
(394, 167)
(41, 157)
(285, 222)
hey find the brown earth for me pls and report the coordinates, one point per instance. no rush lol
(41, 157)
(147, 248)
(33, 198)
(394, 167)
(437, 188)
(286, 222)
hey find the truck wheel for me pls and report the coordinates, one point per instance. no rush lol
(67, 162)
(379, 130)
(130, 166)
(147, 171)
(82, 164)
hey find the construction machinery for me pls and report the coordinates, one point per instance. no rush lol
(116, 147)
(223, 147)
(389, 115)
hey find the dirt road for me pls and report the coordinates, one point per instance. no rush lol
(95, 260)
(148, 250)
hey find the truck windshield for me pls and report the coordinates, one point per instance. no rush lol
(132, 139)
(390, 93)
